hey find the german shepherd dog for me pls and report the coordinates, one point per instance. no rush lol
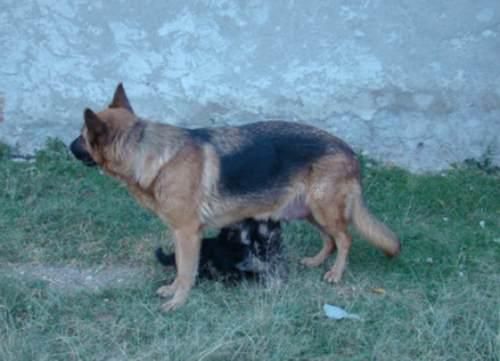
(246, 250)
(198, 178)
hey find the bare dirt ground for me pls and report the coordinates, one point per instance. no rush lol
(72, 279)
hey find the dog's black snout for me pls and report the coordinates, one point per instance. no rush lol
(74, 147)
(78, 149)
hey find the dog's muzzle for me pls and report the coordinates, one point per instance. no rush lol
(77, 147)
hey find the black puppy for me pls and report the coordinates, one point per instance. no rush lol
(246, 250)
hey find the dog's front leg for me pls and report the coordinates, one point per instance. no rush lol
(187, 251)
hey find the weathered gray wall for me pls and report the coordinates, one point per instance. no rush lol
(416, 83)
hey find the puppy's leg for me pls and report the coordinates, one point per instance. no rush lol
(187, 250)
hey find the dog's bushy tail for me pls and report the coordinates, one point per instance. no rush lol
(165, 259)
(377, 233)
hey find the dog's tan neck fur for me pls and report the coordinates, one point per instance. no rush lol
(140, 153)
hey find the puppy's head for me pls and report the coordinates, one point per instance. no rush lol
(267, 239)
(101, 130)
(262, 240)
(262, 237)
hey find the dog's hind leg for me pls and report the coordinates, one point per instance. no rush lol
(187, 250)
(335, 236)
(329, 213)
(343, 242)
(326, 250)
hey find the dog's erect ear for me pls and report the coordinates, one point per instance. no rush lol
(120, 99)
(97, 130)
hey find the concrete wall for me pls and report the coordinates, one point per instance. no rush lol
(415, 83)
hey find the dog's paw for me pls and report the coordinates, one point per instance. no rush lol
(167, 291)
(311, 261)
(172, 305)
(333, 276)
(177, 301)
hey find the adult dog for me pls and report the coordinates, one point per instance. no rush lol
(212, 177)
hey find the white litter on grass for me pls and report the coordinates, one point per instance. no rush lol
(338, 313)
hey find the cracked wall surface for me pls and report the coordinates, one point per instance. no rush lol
(413, 83)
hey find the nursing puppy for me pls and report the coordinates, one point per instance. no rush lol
(213, 177)
(246, 250)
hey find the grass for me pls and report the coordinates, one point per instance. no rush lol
(441, 300)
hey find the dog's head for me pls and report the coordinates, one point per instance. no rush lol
(100, 131)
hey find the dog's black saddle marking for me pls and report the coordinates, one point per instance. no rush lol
(266, 161)
(267, 154)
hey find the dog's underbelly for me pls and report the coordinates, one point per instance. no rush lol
(295, 209)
